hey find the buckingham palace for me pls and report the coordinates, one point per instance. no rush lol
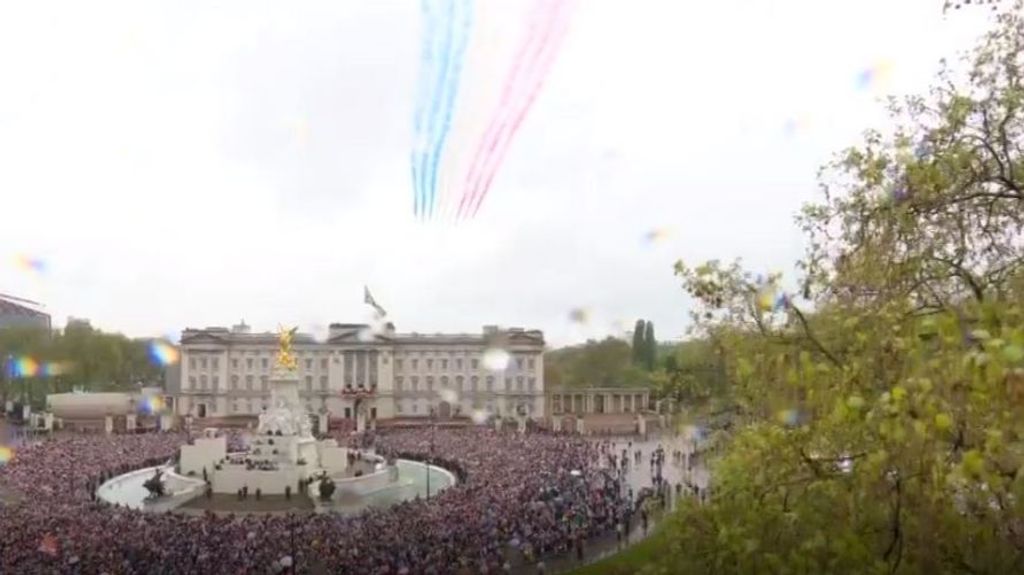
(375, 373)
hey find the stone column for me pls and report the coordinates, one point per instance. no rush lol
(323, 422)
(556, 423)
(608, 407)
(130, 422)
(48, 421)
(108, 424)
(166, 422)
(642, 425)
(580, 427)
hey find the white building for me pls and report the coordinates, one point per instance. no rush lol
(385, 375)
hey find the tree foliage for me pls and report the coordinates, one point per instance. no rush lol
(605, 363)
(882, 408)
(650, 351)
(639, 334)
(91, 360)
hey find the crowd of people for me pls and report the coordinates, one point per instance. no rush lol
(519, 499)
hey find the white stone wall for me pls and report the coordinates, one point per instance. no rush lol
(206, 452)
(240, 369)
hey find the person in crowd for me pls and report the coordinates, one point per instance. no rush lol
(547, 493)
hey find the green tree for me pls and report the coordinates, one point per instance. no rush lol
(638, 342)
(650, 352)
(604, 363)
(881, 433)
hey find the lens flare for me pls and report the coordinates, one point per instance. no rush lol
(496, 359)
(789, 417)
(479, 416)
(26, 367)
(163, 353)
(656, 235)
(449, 395)
(579, 315)
(153, 405)
(30, 264)
(6, 454)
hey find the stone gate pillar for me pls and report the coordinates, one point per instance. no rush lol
(108, 424)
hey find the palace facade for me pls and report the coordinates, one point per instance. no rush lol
(381, 373)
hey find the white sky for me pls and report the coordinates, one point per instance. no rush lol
(193, 163)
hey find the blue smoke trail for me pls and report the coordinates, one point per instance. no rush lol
(442, 68)
(448, 100)
(427, 59)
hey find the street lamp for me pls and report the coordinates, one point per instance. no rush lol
(430, 449)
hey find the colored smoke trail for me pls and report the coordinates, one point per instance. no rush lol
(509, 85)
(427, 69)
(537, 57)
(444, 38)
(520, 116)
(482, 75)
(445, 103)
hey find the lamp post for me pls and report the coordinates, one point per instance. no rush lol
(430, 449)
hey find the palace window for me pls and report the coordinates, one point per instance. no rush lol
(458, 363)
(508, 384)
(234, 363)
(323, 363)
(430, 383)
(458, 382)
(309, 383)
(398, 364)
(323, 382)
(248, 363)
(430, 364)
(309, 364)
(519, 383)
(202, 382)
(264, 382)
(490, 383)
(398, 407)
(202, 363)
(234, 382)
(398, 383)
(248, 382)
(475, 363)
(216, 363)
(216, 381)
(415, 381)
(532, 382)
(415, 363)
(530, 363)
(444, 364)
(474, 383)
(191, 363)
(264, 363)
(192, 382)
(519, 363)
(444, 381)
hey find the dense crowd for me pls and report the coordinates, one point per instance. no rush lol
(519, 498)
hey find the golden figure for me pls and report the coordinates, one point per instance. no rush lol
(285, 358)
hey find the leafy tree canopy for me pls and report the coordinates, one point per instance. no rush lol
(881, 410)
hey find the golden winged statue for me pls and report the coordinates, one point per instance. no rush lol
(285, 357)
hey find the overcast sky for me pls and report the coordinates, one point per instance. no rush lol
(194, 163)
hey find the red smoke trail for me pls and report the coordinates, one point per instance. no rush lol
(527, 54)
(556, 33)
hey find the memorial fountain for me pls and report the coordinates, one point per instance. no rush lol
(282, 458)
